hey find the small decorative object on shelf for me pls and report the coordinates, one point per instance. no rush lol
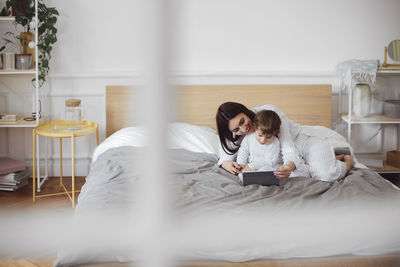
(23, 61)
(393, 158)
(391, 108)
(393, 50)
(361, 100)
(39, 112)
(27, 40)
(10, 117)
(9, 61)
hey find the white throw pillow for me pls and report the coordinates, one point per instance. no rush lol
(180, 136)
(192, 137)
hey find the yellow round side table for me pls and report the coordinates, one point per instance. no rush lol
(59, 129)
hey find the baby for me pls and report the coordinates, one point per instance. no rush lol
(260, 151)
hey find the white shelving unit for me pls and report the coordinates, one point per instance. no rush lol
(372, 119)
(31, 71)
(350, 119)
(10, 18)
(21, 123)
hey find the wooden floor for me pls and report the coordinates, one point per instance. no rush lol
(22, 200)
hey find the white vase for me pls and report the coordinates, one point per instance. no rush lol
(361, 100)
(9, 61)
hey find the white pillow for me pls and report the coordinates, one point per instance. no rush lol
(192, 137)
(334, 138)
(180, 136)
(129, 136)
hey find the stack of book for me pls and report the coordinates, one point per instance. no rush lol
(13, 174)
(14, 180)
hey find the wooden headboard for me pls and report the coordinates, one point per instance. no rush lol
(197, 104)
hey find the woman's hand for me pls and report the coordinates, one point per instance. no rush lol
(340, 157)
(232, 167)
(284, 171)
(349, 161)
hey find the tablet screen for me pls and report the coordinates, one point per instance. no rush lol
(259, 177)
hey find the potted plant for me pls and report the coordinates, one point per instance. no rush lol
(23, 60)
(47, 32)
(24, 12)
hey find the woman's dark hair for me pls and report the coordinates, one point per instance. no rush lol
(225, 113)
(268, 122)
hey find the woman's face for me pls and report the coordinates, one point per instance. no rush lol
(241, 124)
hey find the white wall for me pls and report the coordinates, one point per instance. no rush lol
(213, 42)
(229, 35)
(305, 35)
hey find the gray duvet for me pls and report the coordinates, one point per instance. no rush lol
(314, 214)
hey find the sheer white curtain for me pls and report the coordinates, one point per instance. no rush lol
(155, 111)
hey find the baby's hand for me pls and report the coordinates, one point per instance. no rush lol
(284, 171)
(246, 168)
(340, 157)
(349, 161)
(241, 166)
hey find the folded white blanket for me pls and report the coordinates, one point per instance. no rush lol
(356, 71)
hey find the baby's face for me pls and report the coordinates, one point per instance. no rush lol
(264, 139)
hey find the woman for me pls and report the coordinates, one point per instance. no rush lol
(234, 121)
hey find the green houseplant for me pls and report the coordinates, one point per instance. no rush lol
(47, 32)
(23, 59)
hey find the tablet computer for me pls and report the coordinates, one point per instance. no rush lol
(342, 151)
(258, 177)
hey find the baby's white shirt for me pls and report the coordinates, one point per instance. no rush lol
(259, 156)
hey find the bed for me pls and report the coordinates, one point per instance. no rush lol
(216, 220)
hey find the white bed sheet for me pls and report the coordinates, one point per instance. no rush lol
(201, 139)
